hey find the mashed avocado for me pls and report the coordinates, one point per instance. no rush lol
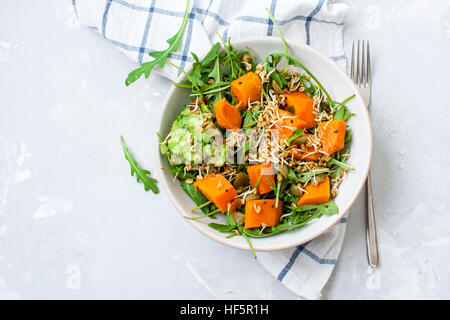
(188, 143)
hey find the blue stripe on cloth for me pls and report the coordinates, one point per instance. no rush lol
(343, 220)
(125, 46)
(337, 58)
(185, 57)
(225, 35)
(131, 5)
(308, 20)
(75, 9)
(213, 15)
(272, 11)
(147, 28)
(206, 12)
(318, 259)
(216, 17)
(105, 17)
(300, 17)
(187, 43)
(155, 10)
(253, 19)
(282, 22)
(296, 253)
(326, 21)
(291, 261)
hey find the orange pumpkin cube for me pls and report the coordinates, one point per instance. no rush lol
(310, 154)
(287, 125)
(246, 89)
(302, 106)
(217, 189)
(227, 115)
(332, 135)
(267, 179)
(316, 194)
(262, 212)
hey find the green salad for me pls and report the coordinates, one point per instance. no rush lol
(261, 142)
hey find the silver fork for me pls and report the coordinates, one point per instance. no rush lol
(361, 76)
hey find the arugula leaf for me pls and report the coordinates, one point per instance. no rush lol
(142, 175)
(230, 220)
(296, 63)
(210, 214)
(196, 75)
(289, 223)
(221, 227)
(216, 74)
(281, 81)
(292, 177)
(279, 31)
(178, 172)
(348, 136)
(339, 164)
(306, 176)
(343, 113)
(211, 55)
(300, 216)
(335, 104)
(298, 133)
(231, 60)
(328, 208)
(242, 231)
(160, 56)
(250, 119)
(290, 198)
(195, 195)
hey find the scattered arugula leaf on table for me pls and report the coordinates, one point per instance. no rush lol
(160, 56)
(142, 175)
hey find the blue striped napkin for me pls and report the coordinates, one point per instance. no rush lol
(138, 27)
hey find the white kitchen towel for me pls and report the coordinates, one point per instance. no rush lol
(138, 27)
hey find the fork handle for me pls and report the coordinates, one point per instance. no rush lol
(372, 250)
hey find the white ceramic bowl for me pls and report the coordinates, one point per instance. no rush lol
(339, 86)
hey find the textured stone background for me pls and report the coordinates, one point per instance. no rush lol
(74, 224)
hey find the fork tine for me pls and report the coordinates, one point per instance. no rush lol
(357, 65)
(363, 65)
(368, 64)
(352, 66)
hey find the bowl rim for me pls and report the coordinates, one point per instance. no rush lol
(333, 222)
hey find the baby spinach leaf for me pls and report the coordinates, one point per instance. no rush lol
(195, 195)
